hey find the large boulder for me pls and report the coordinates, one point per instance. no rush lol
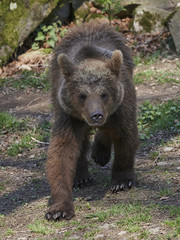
(174, 27)
(163, 4)
(17, 20)
(149, 19)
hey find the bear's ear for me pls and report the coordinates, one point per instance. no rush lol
(115, 62)
(65, 64)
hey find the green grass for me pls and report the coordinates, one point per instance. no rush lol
(147, 60)
(121, 210)
(159, 117)
(165, 192)
(174, 221)
(41, 227)
(2, 220)
(28, 79)
(24, 133)
(141, 77)
(10, 123)
(160, 77)
(18, 146)
(9, 232)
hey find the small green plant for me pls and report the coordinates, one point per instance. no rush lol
(49, 35)
(107, 7)
(10, 123)
(19, 145)
(9, 231)
(165, 192)
(153, 118)
(39, 226)
(2, 220)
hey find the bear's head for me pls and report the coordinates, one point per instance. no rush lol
(91, 90)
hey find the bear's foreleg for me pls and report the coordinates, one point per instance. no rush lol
(61, 166)
(123, 175)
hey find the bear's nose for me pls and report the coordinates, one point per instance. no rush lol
(97, 116)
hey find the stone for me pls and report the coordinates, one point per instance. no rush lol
(154, 230)
(168, 149)
(149, 19)
(174, 27)
(17, 20)
(100, 237)
(122, 233)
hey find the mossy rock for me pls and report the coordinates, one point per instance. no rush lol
(17, 20)
(82, 12)
(149, 19)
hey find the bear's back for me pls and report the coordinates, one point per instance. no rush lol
(94, 34)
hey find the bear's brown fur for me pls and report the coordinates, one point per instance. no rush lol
(91, 72)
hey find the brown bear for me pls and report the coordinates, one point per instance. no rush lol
(91, 72)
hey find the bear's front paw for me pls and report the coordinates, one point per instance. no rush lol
(56, 212)
(125, 180)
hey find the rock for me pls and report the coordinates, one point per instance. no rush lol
(25, 67)
(149, 19)
(17, 20)
(105, 226)
(165, 4)
(82, 12)
(122, 233)
(174, 27)
(99, 237)
(89, 198)
(168, 149)
(154, 230)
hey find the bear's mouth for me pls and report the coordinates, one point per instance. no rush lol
(95, 124)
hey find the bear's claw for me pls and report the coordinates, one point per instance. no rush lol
(58, 216)
(82, 182)
(120, 187)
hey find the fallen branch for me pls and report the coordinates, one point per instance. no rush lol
(46, 143)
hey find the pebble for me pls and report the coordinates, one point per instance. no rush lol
(75, 237)
(32, 156)
(154, 230)
(25, 67)
(168, 149)
(122, 233)
(89, 198)
(99, 237)
(105, 226)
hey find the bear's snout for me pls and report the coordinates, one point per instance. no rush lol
(97, 116)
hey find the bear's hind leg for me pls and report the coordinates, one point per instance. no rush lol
(101, 148)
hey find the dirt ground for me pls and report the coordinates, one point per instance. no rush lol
(24, 190)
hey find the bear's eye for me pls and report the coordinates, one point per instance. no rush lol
(104, 96)
(82, 97)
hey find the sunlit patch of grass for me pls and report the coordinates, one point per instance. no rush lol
(9, 231)
(28, 79)
(10, 123)
(18, 146)
(158, 76)
(174, 222)
(40, 226)
(153, 118)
